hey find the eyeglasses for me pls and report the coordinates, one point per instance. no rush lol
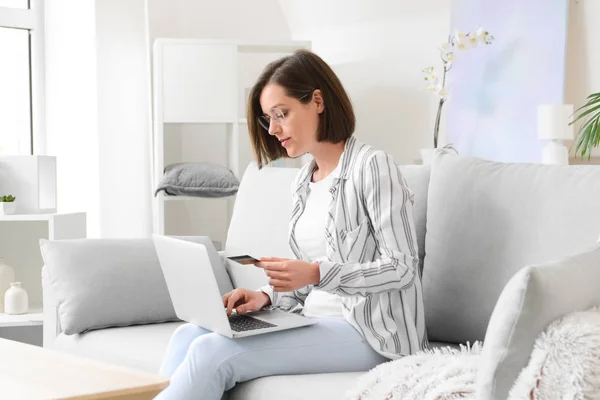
(277, 115)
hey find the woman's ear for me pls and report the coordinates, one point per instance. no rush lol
(317, 97)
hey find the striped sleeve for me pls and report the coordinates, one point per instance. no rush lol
(389, 205)
(288, 301)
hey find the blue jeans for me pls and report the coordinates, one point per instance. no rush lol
(203, 365)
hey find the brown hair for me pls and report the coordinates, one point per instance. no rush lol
(300, 74)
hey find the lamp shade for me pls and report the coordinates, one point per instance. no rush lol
(553, 122)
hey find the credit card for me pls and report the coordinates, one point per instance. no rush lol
(245, 259)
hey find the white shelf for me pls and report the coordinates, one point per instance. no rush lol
(32, 217)
(198, 83)
(34, 317)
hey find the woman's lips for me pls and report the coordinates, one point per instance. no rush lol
(284, 141)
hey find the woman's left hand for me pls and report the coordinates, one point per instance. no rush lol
(286, 275)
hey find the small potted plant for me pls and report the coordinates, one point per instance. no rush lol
(7, 205)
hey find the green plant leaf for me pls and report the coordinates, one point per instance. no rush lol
(592, 137)
(591, 101)
(589, 137)
(589, 122)
(583, 114)
(581, 144)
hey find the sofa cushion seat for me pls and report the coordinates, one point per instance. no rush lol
(291, 387)
(322, 386)
(143, 347)
(139, 346)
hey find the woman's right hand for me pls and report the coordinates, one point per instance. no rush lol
(245, 300)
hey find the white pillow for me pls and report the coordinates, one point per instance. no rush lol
(261, 215)
(533, 298)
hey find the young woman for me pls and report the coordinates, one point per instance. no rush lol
(352, 232)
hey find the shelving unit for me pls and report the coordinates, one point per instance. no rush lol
(34, 317)
(19, 246)
(200, 88)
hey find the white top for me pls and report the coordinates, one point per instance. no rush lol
(310, 235)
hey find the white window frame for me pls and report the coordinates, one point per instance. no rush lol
(33, 20)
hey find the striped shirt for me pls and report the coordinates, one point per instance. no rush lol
(371, 245)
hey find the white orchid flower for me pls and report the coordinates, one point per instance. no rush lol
(473, 40)
(459, 37)
(481, 35)
(434, 86)
(461, 41)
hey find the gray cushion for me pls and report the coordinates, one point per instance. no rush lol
(198, 179)
(417, 177)
(533, 298)
(99, 283)
(485, 221)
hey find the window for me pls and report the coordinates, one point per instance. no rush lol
(21, 77)
(15, 96)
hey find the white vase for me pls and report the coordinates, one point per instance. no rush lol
(427, 155)
(7, 207)
(7, 275)
(16, 300)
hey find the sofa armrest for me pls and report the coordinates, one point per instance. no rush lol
(51, 327)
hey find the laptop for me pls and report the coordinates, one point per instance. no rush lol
(195, 293)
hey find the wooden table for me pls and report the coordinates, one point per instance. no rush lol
(32, 372)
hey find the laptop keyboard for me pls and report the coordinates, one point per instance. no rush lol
(241, 323)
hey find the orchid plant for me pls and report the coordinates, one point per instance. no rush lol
(460, 41)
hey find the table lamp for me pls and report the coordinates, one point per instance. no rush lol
(553, 126)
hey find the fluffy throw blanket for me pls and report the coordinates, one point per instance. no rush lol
(564, 364)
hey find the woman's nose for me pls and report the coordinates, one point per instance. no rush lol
(273, 127)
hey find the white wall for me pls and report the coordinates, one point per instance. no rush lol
(237, 19)
(378, 49)
(583, 54)
(98, 113)
(71, 106)
(124, 121)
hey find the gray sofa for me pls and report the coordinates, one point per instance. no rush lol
(478, 223)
